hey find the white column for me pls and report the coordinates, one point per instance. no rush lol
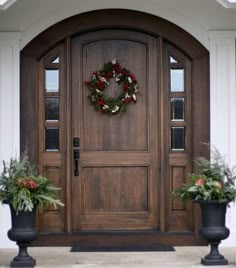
(223, 106)
(9, 114)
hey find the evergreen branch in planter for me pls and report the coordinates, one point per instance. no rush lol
(23, 188)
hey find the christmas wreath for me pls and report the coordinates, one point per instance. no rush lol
(100, 81)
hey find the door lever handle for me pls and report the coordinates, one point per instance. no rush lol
(76, 158)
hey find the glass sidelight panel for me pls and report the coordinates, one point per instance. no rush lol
(173, 60)
(56, 60)
(52, 138)
(52, 109)
(52, 80)
(177, 138)
(177, 109)
(177, 80)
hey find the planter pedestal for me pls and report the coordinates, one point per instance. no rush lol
(213, 230)
(22, 232)
(214, 257)
(23, 259)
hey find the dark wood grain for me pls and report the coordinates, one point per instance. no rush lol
(51, 163)
(179, 163)
(118, 238)
(28, 107)
(110, 140)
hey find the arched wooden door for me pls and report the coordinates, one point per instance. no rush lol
(130, 162)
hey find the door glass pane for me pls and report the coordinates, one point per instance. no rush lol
(56, 60)
(52, 109)
(177, 109)
(177, 138)
(177, 80)
(52, 139)
(173, 60)
(52, 80)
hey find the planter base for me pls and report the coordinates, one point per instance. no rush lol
(23, 259)
(23, 263)
(208, 262)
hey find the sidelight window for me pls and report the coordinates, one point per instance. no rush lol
(51, 109)
(177, 80)
(177, 103)
(52, 80)
(177, 109)
(52, 94)
(52, 139)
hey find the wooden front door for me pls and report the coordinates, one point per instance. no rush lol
(117, 186)
(130, 162)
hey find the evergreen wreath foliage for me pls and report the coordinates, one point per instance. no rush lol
(100, 81)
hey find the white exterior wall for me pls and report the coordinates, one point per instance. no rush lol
(223, 106)
(9, 114)
(223, 95)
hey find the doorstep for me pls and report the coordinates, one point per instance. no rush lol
(182, 257)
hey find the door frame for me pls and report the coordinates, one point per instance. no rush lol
(62, 32)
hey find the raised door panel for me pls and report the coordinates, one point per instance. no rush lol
(116, 189)
(114, 133)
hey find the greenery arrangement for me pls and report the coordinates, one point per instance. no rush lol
(100, 81)
(23, 188)
(214, 180)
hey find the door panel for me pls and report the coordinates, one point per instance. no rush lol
(133, 56)
(116, 188)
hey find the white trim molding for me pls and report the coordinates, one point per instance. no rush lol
(223, 104)
(9, 113)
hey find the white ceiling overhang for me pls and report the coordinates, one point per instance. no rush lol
(227, 3)
(4, 4)
(30, 17)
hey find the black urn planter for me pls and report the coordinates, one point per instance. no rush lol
(213, 230)
(23, 231)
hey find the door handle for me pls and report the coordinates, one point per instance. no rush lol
(76, 158)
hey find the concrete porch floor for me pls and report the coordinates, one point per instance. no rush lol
(184, 257)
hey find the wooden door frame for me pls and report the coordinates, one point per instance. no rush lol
(62, 32)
